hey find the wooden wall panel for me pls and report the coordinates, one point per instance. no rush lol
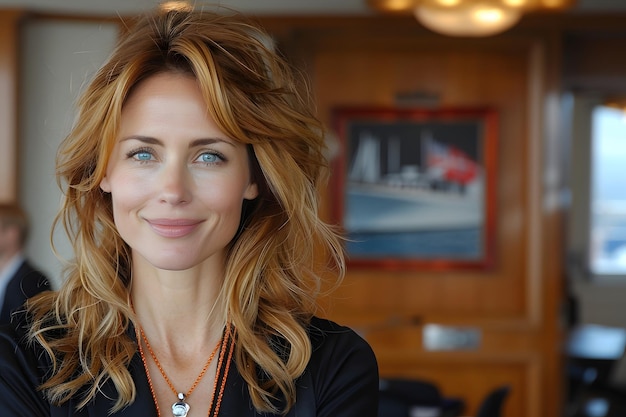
(8, 104)
(492, 75)
(514, 305)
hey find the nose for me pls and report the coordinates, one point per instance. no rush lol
(175, 188)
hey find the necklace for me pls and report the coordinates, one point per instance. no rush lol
(180, 408)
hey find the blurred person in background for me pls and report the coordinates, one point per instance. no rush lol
(19, 279)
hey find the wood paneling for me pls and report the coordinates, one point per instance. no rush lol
(515, 304)
(8, 104)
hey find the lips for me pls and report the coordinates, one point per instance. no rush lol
(173, 228)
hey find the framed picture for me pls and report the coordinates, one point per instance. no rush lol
(415, 188)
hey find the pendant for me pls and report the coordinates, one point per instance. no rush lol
(180, 408)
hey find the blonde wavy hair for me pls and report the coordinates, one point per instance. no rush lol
(279, 260)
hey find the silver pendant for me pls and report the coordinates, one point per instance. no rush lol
(180, 408)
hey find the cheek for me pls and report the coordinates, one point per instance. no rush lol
(222, 200)
(126, 194)
(226, 197)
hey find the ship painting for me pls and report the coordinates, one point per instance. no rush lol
(411, 194)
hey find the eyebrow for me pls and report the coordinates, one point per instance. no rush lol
(195, 143)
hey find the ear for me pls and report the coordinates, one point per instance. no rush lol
(251, 192)
(105, 185)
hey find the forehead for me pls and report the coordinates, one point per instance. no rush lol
(165, 85)
(167, 104)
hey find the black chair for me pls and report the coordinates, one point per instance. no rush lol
(593, 353)
(398, 397)
(390, 406)
(492, 404)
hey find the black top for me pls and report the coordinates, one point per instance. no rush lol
(26, 282)
(341, 380)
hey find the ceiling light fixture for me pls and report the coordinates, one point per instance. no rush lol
(468, 17)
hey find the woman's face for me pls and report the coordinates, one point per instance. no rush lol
(177, 182)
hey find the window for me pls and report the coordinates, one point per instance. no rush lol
(607, 234)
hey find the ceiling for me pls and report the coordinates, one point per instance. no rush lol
(258, 7)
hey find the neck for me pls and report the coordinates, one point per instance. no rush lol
(168, 303)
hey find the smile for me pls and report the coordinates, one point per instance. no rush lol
(174, 228)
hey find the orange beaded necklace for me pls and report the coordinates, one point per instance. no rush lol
(180, 408)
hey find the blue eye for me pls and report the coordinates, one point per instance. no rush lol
(209, 158)
(143, 156)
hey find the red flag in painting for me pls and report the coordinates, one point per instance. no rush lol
(451, 163)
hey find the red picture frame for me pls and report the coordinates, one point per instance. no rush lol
(414, 188)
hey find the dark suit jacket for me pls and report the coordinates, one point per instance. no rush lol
(26, 282)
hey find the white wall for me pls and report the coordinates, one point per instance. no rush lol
(58, 56)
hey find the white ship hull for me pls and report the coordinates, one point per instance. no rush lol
(379, 208)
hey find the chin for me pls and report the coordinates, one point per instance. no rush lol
(178, 259)
(172, 262)
(174, 266)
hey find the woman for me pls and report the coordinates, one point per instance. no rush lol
(191, 180)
